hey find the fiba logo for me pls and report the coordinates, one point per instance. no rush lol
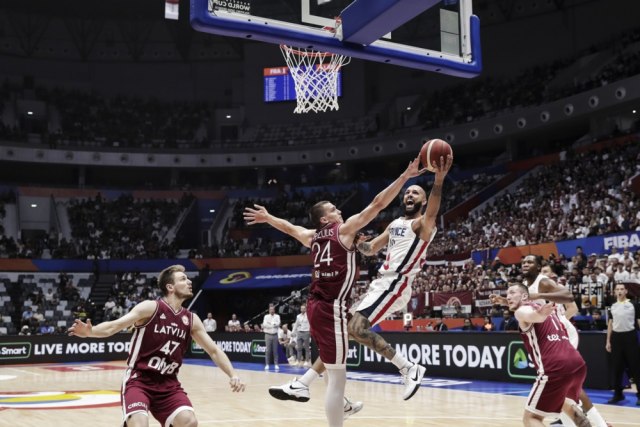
(520, 360)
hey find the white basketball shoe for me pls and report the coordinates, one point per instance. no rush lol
(351, 408)
(412, 378)
(293, 390)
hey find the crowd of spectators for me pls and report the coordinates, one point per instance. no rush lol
(90, 119)
(124, 121)
(588, 194)
(591, 279)
(491, 96)
(129, 289)
(292, 206)
(124, 228)
(41, 304)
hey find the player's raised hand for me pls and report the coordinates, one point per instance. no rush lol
(258, 215)
(498, 299)
(413, 169)
(80, 329)
(444, 166)
(236, 384)
(546, 309)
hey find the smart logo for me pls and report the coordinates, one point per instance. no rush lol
(15, 350)
(353, 354)
(258, 348)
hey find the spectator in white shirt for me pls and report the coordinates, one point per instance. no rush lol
(270, 326)
(285, 340)
(210, 324)
(616, 254)
(621, 275)
(634, 277)
(301, 330)
(234, 324)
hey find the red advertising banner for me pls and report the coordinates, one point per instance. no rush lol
(452, 298)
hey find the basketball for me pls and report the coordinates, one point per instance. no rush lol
(431, 152)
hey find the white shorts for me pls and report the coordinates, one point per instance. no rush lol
(385, 295)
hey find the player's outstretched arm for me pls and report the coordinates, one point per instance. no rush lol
(139, 313)
(527, 314)
(551, 291)
(374, 246)
(259, 215)
(382, 200)
(428, 219)
(219, 357)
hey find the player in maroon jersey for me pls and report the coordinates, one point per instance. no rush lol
(333, 275)
(162, 332)
(560, 369)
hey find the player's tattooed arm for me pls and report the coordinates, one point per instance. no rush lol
(374, 246)
(365, 248)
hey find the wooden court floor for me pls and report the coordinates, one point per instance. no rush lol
(89, 391)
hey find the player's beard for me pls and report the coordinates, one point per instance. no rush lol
(413, 210)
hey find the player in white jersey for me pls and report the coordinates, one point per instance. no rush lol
(542, 289)
(407, 239)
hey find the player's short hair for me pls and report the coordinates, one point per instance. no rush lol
(316, 212)
(537, 258)
(166, 277)
(523, 288)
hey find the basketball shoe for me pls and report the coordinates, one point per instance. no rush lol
(351, 408)
(293, 390)
(412, 378)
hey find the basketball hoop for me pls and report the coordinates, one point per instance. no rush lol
(315, 76)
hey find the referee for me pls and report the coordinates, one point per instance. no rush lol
(622, 342)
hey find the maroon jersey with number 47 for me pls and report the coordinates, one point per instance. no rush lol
(158, 346)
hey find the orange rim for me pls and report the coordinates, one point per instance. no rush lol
(313, 54)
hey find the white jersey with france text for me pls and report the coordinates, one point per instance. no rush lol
(405, 250)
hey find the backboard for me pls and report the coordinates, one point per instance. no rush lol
(439, 36)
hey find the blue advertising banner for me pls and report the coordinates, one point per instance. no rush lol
(256, 278)
(109, 265)
(600, 245)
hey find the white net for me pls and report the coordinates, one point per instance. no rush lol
(315, 76)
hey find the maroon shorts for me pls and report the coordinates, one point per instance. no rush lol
(328, 322)
(163, 397)
(549, 391)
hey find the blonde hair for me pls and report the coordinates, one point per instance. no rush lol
(166, 277)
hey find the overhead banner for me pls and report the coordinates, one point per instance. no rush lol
(257, 278)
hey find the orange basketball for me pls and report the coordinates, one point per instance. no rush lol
(431, 152)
